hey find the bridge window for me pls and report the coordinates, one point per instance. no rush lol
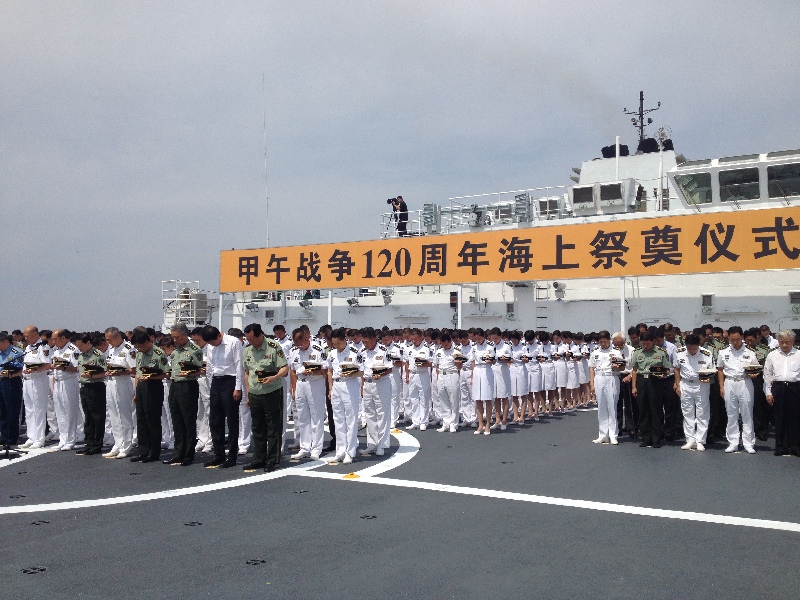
(739, 184)
(784, 180)
(612, 191)
(696, 187)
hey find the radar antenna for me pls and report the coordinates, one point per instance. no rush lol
(639, 121)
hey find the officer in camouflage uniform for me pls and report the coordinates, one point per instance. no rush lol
(265, 397)
(149, 395)
(187, 363)
(719, 417)
(648, 390)
(762, 411)
(92, 370)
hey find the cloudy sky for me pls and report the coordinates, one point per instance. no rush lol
(132, 138)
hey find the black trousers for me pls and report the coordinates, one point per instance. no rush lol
(329, 409)
(401, 227)
(718, 420)
(222, 407)
(651, 409)
(762, 411)
(787, 416)
(627, 409)
(183, 399)
(673, 416)
(10, 407)
(93, 402)
(149, 399)
(267, 413)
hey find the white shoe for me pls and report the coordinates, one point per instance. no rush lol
(423, 427)
(495, 426)
(208, 448)
(66, 447)
(111, 454)
(614, 441)
(487, 431)
(243, 451)
(315, 456)
(301, 454)
(442, 429)
(36, 445)
(338, 458)
(27, 444)
(732, 448)
(379, 452)
(121, 455)
(51, 437)
(476, 432)
(199, 447)
(688, 445)
(502, 427)
(365, 452)
(347, 459)
(412, 426)
(453, 427)
(749, 449)
(700, 447)
(600, 440)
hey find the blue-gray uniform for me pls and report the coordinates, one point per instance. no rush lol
(10, 393)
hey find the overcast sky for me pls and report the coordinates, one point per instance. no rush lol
(132, 133)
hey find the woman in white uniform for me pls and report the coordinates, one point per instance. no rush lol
(572, 358)
(534, 369)
(483, 381)
(583, 371)
(502, 378)
(519, 377)
(548, 369)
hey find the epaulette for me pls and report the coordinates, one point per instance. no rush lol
(490, 342)
(96, 352)
(680, 349)
(705, 351)
(157, 350)
(274, 343)
(316, 347)
(382, 347)
(753, 348)
(353, 348)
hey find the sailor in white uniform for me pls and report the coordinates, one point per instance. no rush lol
(418, 379)
(66, 389)
(736, 388)
(605, 385)
(308, 392)
(483, 381)
(119, 392)
(692, 362)
(345, 369)
(376, 392)
(447, 377)
(35, 387)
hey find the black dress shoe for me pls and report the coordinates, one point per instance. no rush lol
(149, 459)
(172, 461)
(187, 462)
(253, 466)
(656, 444)
(270, 468)
(82, 451)
(644, 444)
(781, 452)
(229, 462)
(215, 463)
(93, 451)
(136, 458)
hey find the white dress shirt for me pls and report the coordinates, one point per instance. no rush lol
(781, 367)
(226, 359)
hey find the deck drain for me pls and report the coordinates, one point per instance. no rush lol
(506, 462)
(369, 517)
(40, 523)
(193, 523)
(301, 491)
(21, 472)
(135, 473)
(34, 570)
(255, 561)
(16, 496)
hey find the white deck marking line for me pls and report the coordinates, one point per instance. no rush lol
(409, 446)
(30, 454)
(566, 502)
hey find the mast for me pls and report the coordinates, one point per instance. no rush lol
(266, 189)
(638, 121)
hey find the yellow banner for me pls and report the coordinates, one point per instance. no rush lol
(739, 240)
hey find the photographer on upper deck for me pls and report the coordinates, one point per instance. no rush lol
(400, 211)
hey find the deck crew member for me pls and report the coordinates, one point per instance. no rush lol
(344, 371)
(502, 379)
(604, 384)
(35, 387)
(66, 389)
(559, 362)
(782, 387)
(519, 377)
(91, 369)
(224, 361)
(10, 391)
(152, 367)
(647, 390)
(265, 396)
(418, 380)
(376, 392)
(447, 377)
(394, 376)
(308, 392)
(121, 364)
(187, 365)
(736, 388)
(691, 362)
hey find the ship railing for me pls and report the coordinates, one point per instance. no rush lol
(414, 227)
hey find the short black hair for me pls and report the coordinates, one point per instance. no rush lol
(692, 340)
(209, 333)
(139, 336)
(255, 329)
(735, 329)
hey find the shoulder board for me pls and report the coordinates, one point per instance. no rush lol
(127, 344)
(490, 342)
(681, 348)
(316, 347)
(353, 348)
(382, 347)
(273, 343)
(705, 351)
(96, 352)
(157, 350)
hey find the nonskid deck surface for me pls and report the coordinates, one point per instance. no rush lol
(536, 510)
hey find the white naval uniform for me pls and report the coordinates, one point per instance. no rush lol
(465, 385)
(204, 409)
(377, 398)
(119, 397)
(738, 393)
(573, 365)
(548, 368)
(583, 364)
(167, 430)
(561, 364)
(345, 399)
(408, 407)
(35, 392)
(519, 371)
(502, 371)
(449, 386)
(396, 355)
(533, 368)
(606, 389)
(419, 383)
(482, 374)
(52, 422)
(694, 394)
(309, 397)
(436, 408)
(66, 396)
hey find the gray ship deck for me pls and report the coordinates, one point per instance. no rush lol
(536, 511)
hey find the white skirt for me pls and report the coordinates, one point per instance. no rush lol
(482, 383)
(583, 371)
(519, 380)
(572, 375)
(534, 370)
(548, 376)
(561, 373)
(502, 381)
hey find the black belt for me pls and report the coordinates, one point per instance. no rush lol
(88, 383)
(787, 383)
(224, 377)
